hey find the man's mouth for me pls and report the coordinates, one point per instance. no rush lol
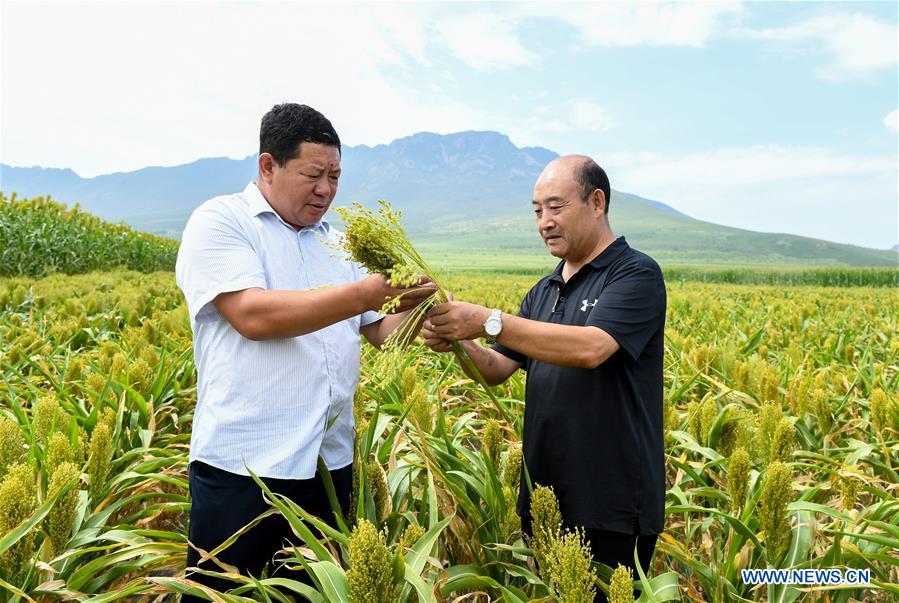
(551, 238)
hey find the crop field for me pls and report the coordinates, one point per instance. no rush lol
(40, 236)
(781, 438)
(781, 416)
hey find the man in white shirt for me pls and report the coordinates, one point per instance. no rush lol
(276, 312)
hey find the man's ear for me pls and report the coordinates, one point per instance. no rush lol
(266, 166)
(598, 198)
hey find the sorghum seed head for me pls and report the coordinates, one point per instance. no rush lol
(776, 495)
(370, 576)
(621, 587)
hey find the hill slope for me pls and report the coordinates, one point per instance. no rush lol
(669, 237)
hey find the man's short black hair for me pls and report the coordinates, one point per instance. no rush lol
(592, 177)
(289, 124)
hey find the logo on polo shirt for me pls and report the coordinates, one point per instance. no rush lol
(587, 304)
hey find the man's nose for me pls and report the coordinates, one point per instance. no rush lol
(322, 187)
(545, 222)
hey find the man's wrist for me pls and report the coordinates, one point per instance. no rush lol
(361, 294)
(493, 325)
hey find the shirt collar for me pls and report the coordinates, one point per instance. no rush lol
(556, 276)
(605, 257)
(259, 205)
(609, 254)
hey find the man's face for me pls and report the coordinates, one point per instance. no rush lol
(567, 224)
(303, 188)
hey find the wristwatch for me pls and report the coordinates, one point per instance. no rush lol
(493, 326)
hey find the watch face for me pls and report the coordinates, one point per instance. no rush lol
(493, 327)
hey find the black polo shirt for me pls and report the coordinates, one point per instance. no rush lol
(595, 435)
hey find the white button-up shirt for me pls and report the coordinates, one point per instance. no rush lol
(275, 405)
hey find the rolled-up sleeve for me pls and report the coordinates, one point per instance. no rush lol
(215, 257)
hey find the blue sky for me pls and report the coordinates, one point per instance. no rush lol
(778, 117)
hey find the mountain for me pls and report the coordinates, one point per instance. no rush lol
(457, 172)
(464, 195)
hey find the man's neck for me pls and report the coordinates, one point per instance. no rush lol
(263, 190)
(571, 267)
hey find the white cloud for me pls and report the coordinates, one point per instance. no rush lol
(589, 116)
(858, 45)
(811, 191)
(891, 121)
(641, 23)
(484, 41)
(760, 164)
(491, 40)
(164, 83)
(574, 115)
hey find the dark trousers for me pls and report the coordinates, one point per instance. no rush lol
(223, 502)
(612, 549)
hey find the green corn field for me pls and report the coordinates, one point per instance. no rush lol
(782, 442)
(42, 237)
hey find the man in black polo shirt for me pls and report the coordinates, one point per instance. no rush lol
(590, 337)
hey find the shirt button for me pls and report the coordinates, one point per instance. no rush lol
(561, 299)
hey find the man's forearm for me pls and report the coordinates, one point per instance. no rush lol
(377, 333)
(261, 314)
(562, 345)
(486, 361)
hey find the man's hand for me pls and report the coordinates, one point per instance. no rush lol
(433, 340)
(376, 291)
(454, 321)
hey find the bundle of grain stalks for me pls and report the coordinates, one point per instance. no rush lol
(378, 241)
